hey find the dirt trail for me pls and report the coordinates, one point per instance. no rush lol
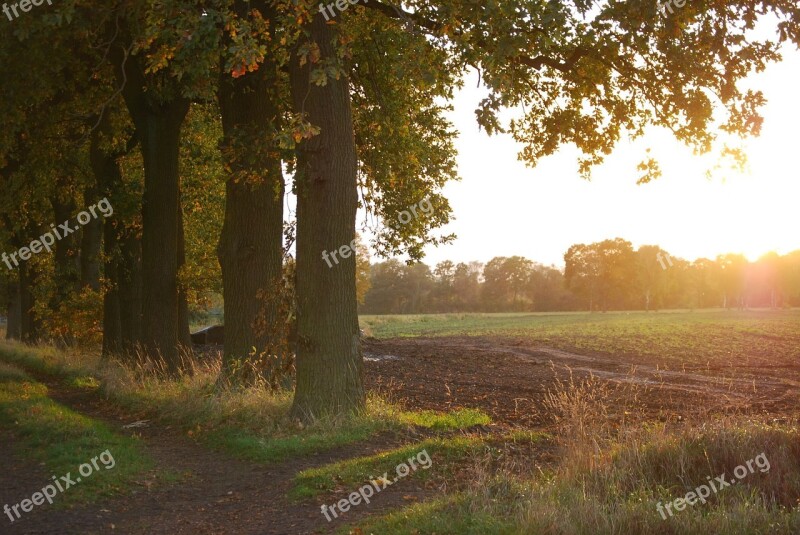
(215, 495)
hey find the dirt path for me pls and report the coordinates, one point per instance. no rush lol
(216, 494)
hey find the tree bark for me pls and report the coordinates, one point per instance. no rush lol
(329, 361)
(160, 138)
(66, 257)
(30, 325)
(250, 249)
(112, 319)
(184, 335)
(13, 314)
(108, 176)
(91, 244)
(122, 298)
(130, 289)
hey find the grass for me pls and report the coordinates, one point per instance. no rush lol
(675, 338)
(615, 489)
(382, 418)
(451, 515)
(250, 423)
(437, 421)
(63, 440)
(443, 454)
(609, 478)
(447, 455)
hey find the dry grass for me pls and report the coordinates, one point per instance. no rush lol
(613, 473)
(615, 466)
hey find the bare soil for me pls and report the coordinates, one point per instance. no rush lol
(509, 378)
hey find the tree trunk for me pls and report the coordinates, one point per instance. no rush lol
(122, 298)
(91, 244)
(329, 361)
(108, 177)
(13, 314)
(184, 335)
(112, 319)
(160, 137)
(30, 325)
(130, 289)
(250, 249)
(158, 124)
(66, 257)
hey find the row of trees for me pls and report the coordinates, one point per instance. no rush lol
(608, 275)
(195, 117)
(186, 115)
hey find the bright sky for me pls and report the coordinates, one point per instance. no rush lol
(503, 208)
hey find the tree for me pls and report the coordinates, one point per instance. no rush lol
(605, 272)
(385, 295)
(546, 289)
(327, 200)
(251, 244)
(651, 268)
(789, 276)
(466, 284)
(363, 103)
(505, 282)
(582, 272)
(732, 276)
(157, 108)
(444, 294)
(363, 282)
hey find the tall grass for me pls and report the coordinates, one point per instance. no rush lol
(250, 422)
(614, 471)
(615, 466)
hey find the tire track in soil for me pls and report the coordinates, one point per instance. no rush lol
(215, 495)
(510, 380)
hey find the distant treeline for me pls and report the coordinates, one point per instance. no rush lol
(608, 275)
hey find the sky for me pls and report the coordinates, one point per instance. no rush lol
(503, 208)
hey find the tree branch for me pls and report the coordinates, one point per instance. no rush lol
(540, 61)
(400, 14)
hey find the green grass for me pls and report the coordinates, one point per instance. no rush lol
(438, 421)
(271, 449)
(707, 337)
(450, 515)
(250, 424)
(63, 440)
(443, 454)
(86, 382)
